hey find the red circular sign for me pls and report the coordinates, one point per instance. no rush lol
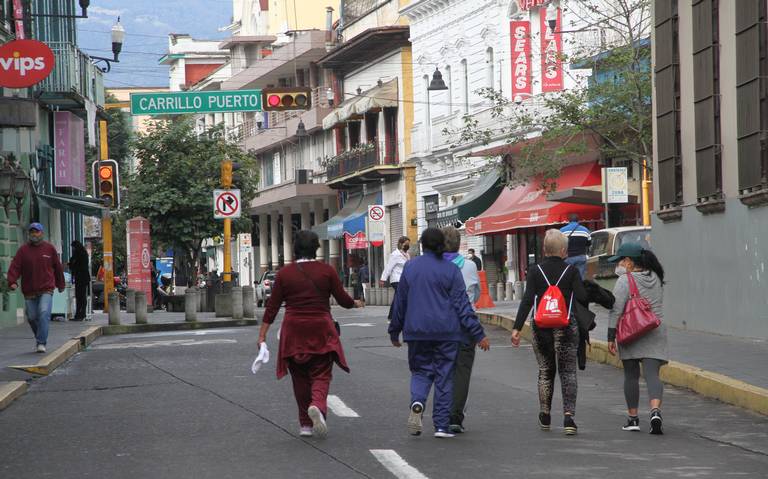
(227, 204)
(24, 63)
(376, 213)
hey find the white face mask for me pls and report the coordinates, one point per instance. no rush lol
(620, 270)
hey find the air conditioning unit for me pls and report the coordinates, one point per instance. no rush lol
(303, 177)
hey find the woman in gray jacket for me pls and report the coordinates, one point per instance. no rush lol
(650, 349)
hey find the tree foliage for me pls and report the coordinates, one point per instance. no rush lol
(614, 105)
(119, 134)
(173, 188)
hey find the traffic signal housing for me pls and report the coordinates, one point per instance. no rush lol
(286, 99)
(106, 182)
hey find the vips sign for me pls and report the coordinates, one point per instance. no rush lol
(24, 63)
(551, 55)
(521, 59)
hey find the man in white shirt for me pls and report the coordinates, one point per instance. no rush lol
(394, 267)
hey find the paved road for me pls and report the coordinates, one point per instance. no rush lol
(185, 405)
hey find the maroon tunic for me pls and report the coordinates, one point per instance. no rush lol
(307, 326)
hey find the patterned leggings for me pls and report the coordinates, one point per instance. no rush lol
(555, 350)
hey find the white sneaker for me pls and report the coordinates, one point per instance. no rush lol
(40, 348)
(414, 419)
(444, 434)
(305, 431)
(318, 421)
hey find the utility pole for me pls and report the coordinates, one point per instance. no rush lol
(646, 185)
(106, 225)
(226, 182)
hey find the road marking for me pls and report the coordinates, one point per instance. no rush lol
(202, 332)
(363, 325)
(338, 407)
(154, 344)
(396, 464)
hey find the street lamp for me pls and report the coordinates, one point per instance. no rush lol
(14, 183)
(437, 83)
(552, 15)
(301, 130)
(20, 189)
(118, 35)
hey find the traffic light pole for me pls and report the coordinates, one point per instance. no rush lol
(226, 182)
(106, 226)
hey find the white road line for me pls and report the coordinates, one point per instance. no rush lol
(154, 344)
(396, 464)
(362, 325)
(338, 407)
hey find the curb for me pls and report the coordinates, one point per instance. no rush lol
(706, 383)
(10, 391)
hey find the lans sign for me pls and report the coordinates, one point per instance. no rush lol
(24, 63)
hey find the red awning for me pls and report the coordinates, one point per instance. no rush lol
(527, 206)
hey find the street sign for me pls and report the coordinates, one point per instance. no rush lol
(175, 103)
(375, 225)
(617, 185)
(226, 204)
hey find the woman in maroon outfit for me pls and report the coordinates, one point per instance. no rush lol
(309, 342)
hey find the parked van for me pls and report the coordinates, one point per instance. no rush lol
(605, 243)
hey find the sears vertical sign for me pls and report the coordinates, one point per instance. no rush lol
(520, 36)
(551, 54)
(24, 63)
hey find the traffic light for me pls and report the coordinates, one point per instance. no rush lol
(227, 176)
(282, 99)
(106, 182)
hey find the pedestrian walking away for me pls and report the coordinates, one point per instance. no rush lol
(579, 241)
(555, 348)
(394, 268)
(78, 267)
(462, 370)
(309, 340)
(37, 263)
(433, 313)
(478, 262)
(642, 266)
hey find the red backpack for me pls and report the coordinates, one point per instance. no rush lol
(551, 312)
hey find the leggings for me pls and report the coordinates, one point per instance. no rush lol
(555, 351)
(632, 380)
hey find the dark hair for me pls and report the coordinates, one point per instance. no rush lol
(401, 241)
(305, 245)
(78, 246)
(471, 250)
(649, 261)
(433, 240)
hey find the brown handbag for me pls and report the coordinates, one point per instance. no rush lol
(638, 318)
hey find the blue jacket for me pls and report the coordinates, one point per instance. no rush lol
(431, 303)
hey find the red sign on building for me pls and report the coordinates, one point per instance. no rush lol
(551, 55)
(357, 241)
(139, 256)
(520, 35)
(526, 5)
(24, 63)
(18, 19)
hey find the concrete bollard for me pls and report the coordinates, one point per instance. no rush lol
(508, 292)
(130, 301)
(203, 299)
(500, 291)
(114, 308)
(141, 307)
(223, 305)
(518, 289)
(199, 301)
(249, 302)
(237, 302)
(190, 304)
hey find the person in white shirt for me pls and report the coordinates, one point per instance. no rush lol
(395, 264)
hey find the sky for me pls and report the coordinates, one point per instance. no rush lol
(147, 24)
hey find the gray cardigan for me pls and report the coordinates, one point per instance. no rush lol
(654, 344)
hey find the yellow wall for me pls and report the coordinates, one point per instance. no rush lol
(407, 105)
(310, 15)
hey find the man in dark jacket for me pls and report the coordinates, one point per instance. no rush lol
(37, 263)
(78, 267)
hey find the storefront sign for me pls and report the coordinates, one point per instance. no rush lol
(374, 225)
(18, 19)
(24, 63)
(526, 5)
(551, 54)
(69, 146)
(357, 241)
(616, 185)
(521, 59)
(139, 256)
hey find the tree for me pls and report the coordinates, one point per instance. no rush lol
(173, 188)
(614, 105)
(119, 135)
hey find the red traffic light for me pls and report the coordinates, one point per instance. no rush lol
(282, 99)
(106, 183)
(273, 100)
(105, 172)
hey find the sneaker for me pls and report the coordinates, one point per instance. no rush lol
(318, 421)
(456, 428)
(414, 418)
(444, 434)
(545, 421)
(569, 426)
(305, 431)
(40, 348)
(656, 422)
(633, 424)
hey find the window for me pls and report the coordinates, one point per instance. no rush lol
(667, 78)
(449, 83)
(706, 99)
(268, 171)
(752, 104)
(427, 115)
(465, 86)
(489, 68)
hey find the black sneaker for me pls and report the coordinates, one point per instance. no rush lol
(545, 421)
(656, 422)
(569, 426)
(633, 424)
(456, 428)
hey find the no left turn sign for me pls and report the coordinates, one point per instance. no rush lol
(226, 204)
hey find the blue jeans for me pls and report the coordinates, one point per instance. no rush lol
(578, 262)
(431, 362)
(39, 316)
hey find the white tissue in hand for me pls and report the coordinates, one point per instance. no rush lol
(262, 358)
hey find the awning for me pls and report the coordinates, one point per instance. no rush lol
(75, 204)
(355, 223)
(334, 227)
(342, 113)
(482, 195)
(527, 206)
(378, 97)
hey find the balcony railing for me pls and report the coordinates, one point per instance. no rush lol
(359, 159)
(75, 73)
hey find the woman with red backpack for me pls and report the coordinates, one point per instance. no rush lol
(552, 287)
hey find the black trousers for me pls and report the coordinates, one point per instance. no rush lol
(81, 299)
(394, 286)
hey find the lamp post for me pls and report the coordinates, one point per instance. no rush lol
(14, 184)
(83, 8)
(20, 189)
(437, 83)
(118, 35)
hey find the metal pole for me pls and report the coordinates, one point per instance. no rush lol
(646, 195)
(106, 226)
(227, 251)
(605, 192)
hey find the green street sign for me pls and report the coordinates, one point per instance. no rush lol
(176, 103)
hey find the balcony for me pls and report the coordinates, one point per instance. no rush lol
(74, 79)
(370, 162)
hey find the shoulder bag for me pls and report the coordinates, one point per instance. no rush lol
(335, 323)
(638, 318)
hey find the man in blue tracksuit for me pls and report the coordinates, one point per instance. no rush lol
(433, 313)
(579, 240)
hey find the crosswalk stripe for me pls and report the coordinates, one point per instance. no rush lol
(338, 407)
(396, 464)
